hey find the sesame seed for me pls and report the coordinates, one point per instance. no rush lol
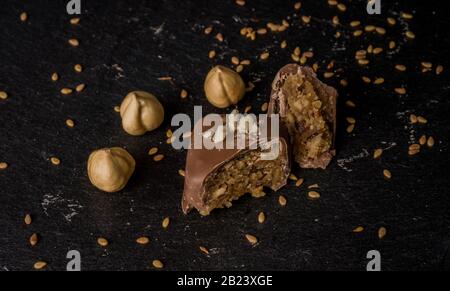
(366, 79)
(357, 33)
(297, 5)
(33, 239)
(427, 65)
(350, 104)
(377, 50)
(299, 182)
(239, 68)
(74, 42)
(313, 186)
(208, 30)
(377, 153)
(182, 173)
(328, 75)
(70, 123)
(410, 35)
(235, 60)
(363, 62)
(413, 118)
(261, 31)
(378, 81)
(422, 120)
(392, 44)
(184, 94)
(80, 88)
(264, 107)
(282, 200)
(261, 217)
(293, 177)
(423, 140)
(351, 120)
(439, 69)
(55, 77)
(102, 242)
(400, 91)
(3, 95)
(39, 265)
(240, 2)
(341, 7)
(75, 21)
(430, 142)
(78, 68)
(28, 220)
(343, 83)
(387, 174)
(332, 2)
(335, 20)
(157, 264)
(306, 19)
(313, 195)
(245, 62)
(23, 16)
(212, 54)
(143, 240)
(55, 161)
(369, 28)
(3, 166)
(391, 21)
(165, 222)
(358, 229)
(204, 250)
(251, 239)
(406, 15)
(382, 232)
(350, 128)
(66, 91)
(380, 30)
(400, 68)
(264, 56)
(219, 37)
(283, 44)
(355, 23)
(117, 108)
(158, 158)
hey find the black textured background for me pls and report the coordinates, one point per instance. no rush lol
(127, 45)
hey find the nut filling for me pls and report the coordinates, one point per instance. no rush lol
(308, 108)
(246, 173)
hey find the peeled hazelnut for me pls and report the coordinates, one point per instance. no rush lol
(224, 87)
(141, 112)
(110, 169)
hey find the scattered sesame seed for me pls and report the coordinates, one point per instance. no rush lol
(182, 173)
(3, 166)
(363, 62)
(341, 7)
(165, 222)
(377, 153)
(350, 128)
(406, 15)
(413, 149)
(400, 68)
(80, 88)
(387, 174)
(283, 44)
(377, 50)
(369, 28)
(306, 19)
(55, 77)
(219, 37)
(430, 142)
(392, 44)
(75, 21)
(143, 240)
(413, 118)
(351, 120)
(55, 161)
(33, 239)
(117, 108)
(39, 265)
(355, 23)
(297, 5)
(400, 91)
(245, 62)
(422, 120)
(343, 83)
(358, 229)
(264, 107)
(70, 123)
(208, 30)
(439, 69)
(251, 239)
(366, 79)
(350, 104)
(102, 242)
(204, 250)
(299, 182)
(66, 91)
(240, 2)
(380, 30)
(184, 94)
(3, 95)
(357, 33)
(423, 140)
(235, 60)
(74, 42)
(313, 195)
(264, 56)
(261, 217)
(239, 68)
(378, 81)
(293, 177)
(23, 16)
(28, 220)
(391, 21)
(157, 264)
(328, 75)
(410, 35)
(158, 158)
(78, 68)
(282, 200)
(382, 232)
(212, 54)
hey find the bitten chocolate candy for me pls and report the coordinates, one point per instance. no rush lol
(308, 108)
(216, 177)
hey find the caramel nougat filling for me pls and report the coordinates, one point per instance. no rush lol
(308, 119)
(246, 173)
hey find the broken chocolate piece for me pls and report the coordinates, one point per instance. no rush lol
(308, 108)
(216, 177)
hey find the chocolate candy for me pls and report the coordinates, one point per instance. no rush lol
(214, 178)
(308, 108)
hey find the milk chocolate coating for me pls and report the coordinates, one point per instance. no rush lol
(279, 105)
(201, 163)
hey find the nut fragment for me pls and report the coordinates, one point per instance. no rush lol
(141, 112)
(224, 87)
(110, 169)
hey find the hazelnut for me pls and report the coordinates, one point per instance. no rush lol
(110, 169)
(224, 87)
(141, 112)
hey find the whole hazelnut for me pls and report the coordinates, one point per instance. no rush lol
(141, 112)
(224, 87)
(110, 169)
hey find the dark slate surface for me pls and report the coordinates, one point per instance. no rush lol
(127, 45)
